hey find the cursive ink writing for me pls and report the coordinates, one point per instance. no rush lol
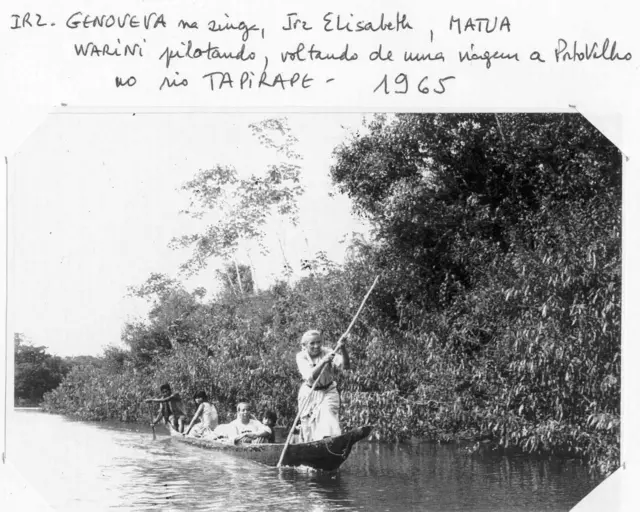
(293, 22)
(380, 54)
(338, 22)
(420, 57)
(403, 44)
(174, 82)
(592, 51)
(187, 24)
(487, 56)
(245, 28)
(129, 82)
(301, 54)
(210, 53)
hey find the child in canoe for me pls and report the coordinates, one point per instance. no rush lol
(171, 408)
(269, 419)
(207, 414)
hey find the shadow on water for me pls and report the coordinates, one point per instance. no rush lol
(107, 466)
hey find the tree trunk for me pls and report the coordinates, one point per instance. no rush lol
(231, 285)
(235, 262)
(252, 271)
(284, 259)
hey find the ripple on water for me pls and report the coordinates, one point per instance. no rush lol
(87, 466)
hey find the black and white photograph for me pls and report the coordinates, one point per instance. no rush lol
(324, 311)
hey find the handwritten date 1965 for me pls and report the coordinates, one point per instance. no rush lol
(401, 84)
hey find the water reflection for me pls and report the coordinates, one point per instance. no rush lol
(325, 491)
(82, 466)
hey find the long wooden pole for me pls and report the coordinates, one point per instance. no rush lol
(153, 426)
(338, 346)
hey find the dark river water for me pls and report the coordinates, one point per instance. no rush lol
(109, 466)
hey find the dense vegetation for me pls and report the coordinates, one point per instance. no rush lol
(35, 371)
(497, 316)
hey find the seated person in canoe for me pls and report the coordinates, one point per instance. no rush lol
(319, 407)
(206, 413)
(171, 408)
(244, 429)
(269, 419)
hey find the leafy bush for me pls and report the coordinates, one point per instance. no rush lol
(497, 316)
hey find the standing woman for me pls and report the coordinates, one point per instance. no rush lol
(319, 412)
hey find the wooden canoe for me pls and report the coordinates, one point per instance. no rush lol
(327, 454)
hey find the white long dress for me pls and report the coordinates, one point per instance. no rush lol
(319, 408)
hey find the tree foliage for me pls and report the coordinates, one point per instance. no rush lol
(174, 318)
(499, 237)
(236, 279)
(36, 371)
(497, 316)
(240, 207)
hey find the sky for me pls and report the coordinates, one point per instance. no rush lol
(94, 201)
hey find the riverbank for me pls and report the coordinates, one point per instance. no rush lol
(434, 407)
(465, 442)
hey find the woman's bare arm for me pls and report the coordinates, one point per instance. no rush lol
(195, 417)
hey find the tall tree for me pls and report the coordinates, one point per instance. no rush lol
(240, 207)
(448, 193)
(499, 238)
